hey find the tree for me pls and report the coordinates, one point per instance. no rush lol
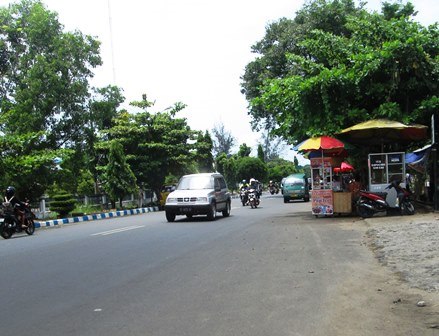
(156, 144)
(282, 39)
(223, 141)
(103, 110)
(271, 145)
(45, 71)
(204, 152)
(280, 168)
(250, 167)
(43, 91)
(86, 183)
(244, 150)
(119, 179)
(261, 154)
(341, 65)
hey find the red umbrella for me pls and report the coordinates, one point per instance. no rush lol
(344, 168)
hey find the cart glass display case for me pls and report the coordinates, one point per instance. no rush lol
(321, 193)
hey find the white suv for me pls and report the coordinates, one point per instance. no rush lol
(199, 194)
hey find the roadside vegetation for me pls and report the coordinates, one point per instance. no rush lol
(332, 65)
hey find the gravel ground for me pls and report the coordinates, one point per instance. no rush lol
(409, 245)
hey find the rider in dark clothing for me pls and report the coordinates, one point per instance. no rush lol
(18, 205)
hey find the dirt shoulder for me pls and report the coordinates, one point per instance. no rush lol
(395, 290)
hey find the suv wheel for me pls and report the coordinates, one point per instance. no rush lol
(212, 212)
(170, 216)
(226, 211)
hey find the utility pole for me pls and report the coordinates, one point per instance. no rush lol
(434, 149)
(111, 42)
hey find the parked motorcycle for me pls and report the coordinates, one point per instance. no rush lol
(10, 224)
(370, 203)
(253, 199)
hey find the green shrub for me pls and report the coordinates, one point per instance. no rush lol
(63, 203)
(88, 209)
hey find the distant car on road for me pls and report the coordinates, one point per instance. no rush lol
(282, 185)
(296, 186)
(199, 194)
(164, 192)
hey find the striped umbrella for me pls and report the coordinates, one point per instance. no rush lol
(324, 143)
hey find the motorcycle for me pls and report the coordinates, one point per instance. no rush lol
(243, 194)
(10, 224)
(253, 199)
(273, 189)
(370, 203)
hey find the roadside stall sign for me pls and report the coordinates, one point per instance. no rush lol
(383, 169)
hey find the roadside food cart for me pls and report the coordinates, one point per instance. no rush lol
(321, 192)
(329, 194)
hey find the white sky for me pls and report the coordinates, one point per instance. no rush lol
(193, 51)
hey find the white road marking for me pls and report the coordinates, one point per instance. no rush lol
(106, 233)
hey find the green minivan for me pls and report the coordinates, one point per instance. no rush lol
(296, 186)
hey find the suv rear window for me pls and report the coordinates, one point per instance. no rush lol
(195, 182)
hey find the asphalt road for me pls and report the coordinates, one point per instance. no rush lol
(265, 271)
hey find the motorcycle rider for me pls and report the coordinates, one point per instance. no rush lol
(271, 185)
(254, 184)
(399, 190)
(19, 206)
(243, 188)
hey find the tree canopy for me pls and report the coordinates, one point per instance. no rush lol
(335, 64)
(44, 88)
(157, 144)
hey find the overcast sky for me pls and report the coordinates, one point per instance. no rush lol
(193, 51)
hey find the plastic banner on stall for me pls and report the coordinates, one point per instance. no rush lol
(322, 202)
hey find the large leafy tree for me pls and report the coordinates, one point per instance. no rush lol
(250, 167)
(282, 39)
(336, 64)
(156, 144)
(103, 109)
(280, 168)
(44, 75)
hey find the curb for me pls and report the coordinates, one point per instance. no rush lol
(121, 213)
